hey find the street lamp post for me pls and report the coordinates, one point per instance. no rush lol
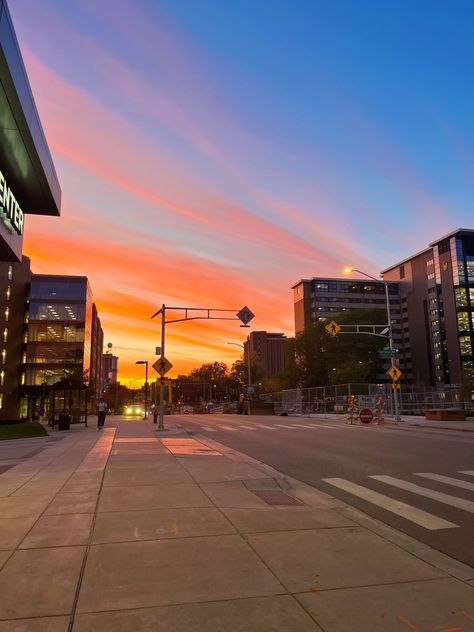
(249, 377)
(145, 362)
(390, 330)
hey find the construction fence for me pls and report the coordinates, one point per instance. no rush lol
(341, 398)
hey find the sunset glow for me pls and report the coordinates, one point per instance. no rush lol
(202, 166)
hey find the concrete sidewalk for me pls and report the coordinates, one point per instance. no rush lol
(128, 529)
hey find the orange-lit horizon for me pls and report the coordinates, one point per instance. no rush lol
(200, 177)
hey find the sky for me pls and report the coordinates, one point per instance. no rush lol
(212, 153)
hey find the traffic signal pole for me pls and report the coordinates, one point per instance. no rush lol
(161, 421)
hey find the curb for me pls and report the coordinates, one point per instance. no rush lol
(418, 549)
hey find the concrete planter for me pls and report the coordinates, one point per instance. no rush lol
(445, 415)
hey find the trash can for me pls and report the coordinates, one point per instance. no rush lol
(64, 421)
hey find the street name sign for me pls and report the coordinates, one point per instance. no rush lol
(162, 366)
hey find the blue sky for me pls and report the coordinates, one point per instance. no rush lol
(251, 143)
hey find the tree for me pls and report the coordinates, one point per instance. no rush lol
(210, 372)
(239, 370)
(321, 359)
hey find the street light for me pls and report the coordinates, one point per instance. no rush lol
(145, 362)
(249, 378)
(389, 327)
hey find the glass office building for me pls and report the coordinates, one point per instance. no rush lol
(64, 336)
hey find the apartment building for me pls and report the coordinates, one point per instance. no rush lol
(436, 289)
(431, 303)
(270, 350)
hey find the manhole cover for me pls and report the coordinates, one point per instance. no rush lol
(276, 497)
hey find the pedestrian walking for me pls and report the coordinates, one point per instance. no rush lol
(101, 413)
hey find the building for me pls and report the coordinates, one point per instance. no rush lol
(64, 338)
(437, 307)
(109, 370)
(431, 304)
(28, 181)
(270, 349)
(15, 281)
(321, 299)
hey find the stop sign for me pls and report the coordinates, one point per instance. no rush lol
(366, 415)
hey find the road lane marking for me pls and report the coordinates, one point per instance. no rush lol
(418, 516)
(301, 426)
(208, 428)
(247, 428)
(331, 427)
(227, 428)
(455, 482)
(453, 501)
(470, 472)
(283, 426)
(267, 427)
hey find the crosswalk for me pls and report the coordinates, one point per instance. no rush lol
(407, 511)
(255, 426)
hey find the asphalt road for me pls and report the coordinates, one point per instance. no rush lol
(342, 460)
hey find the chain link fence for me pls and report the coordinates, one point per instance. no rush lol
(340, 399)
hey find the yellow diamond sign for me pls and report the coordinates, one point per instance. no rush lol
(333, 328)
(394, 372)
(162, 366)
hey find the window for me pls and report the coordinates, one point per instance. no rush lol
(322, 286)
(1, 400)
(470, 269)
(443, 246)
(7, 314)
(8, 292)
(465, 345)
(10, 273)
(5, 334)
(4, 356)
(58, 291)
(461, 297)
(468, 369)
(402, 272)
(2, 378)
(463, 321)
(471, 295)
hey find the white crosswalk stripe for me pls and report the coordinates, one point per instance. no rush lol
(418, 516)
(469, 472)
(447, 499)
(266, 427)
(455, 482)
(297, 427)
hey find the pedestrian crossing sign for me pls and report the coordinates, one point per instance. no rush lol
(162, 366)
(394, 372)
(333, 328)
